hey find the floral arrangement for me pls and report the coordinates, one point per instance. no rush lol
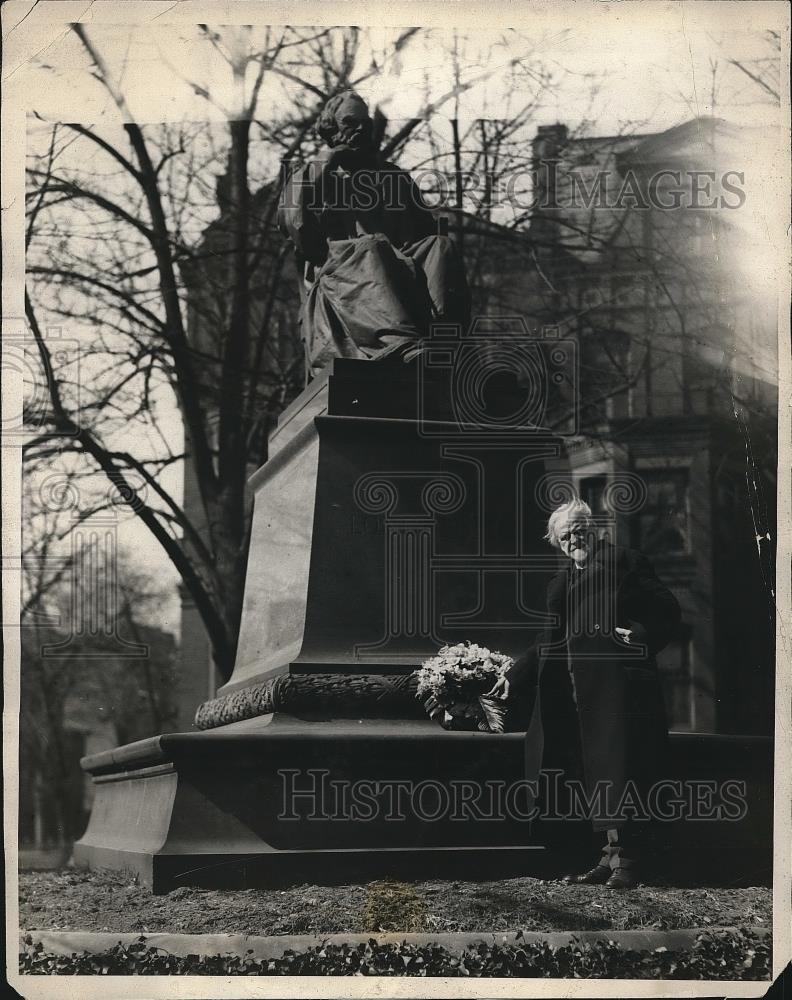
(453, 687)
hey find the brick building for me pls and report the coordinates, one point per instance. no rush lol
(643, 258)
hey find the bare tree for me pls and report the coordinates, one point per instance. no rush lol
(91, 654)
(764, 71)
(164, 247)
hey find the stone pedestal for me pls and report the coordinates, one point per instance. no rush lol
(383, 526)
(261, 803)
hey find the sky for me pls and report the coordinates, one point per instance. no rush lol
(653, 61)
(639, 66)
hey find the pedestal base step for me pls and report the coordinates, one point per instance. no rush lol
(272, 869)
(292, 801)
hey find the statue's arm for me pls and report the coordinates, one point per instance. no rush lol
(420, 221)
(298, 214)
(423, 219)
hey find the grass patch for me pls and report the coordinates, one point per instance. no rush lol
(394, 906)
(109, 901)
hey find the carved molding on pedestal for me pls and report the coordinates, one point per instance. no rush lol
(329, 695)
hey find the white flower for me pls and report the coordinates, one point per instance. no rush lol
(454, 669)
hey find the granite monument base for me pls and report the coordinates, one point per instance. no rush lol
(264, 802)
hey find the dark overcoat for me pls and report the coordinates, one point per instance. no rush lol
(584, 684)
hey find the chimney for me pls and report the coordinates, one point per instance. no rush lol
(547, 149)
(549, 140)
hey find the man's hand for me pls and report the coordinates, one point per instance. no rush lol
(500, 690)
(433, 709)
(624, 633)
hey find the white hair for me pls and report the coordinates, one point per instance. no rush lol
(571, 508)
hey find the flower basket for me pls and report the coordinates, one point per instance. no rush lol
(453, 687)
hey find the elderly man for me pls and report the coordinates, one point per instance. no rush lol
(596, 662)
(376, 271)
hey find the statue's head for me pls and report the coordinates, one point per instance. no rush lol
(345, 121)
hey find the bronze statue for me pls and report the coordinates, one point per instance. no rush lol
(376, 270)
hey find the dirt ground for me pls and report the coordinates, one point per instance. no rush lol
(107, 901)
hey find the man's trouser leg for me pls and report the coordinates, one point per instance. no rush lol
(622, 849)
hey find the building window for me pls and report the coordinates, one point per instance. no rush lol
(592, 492)
(663, 523)
(604, 371)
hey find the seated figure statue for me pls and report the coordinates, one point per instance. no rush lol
(376, 271)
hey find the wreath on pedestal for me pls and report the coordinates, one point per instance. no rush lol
(453, 688)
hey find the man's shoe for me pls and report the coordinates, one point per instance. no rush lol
(622, 878)
(599, 875)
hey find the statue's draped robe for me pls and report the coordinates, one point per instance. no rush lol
(376, 271)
